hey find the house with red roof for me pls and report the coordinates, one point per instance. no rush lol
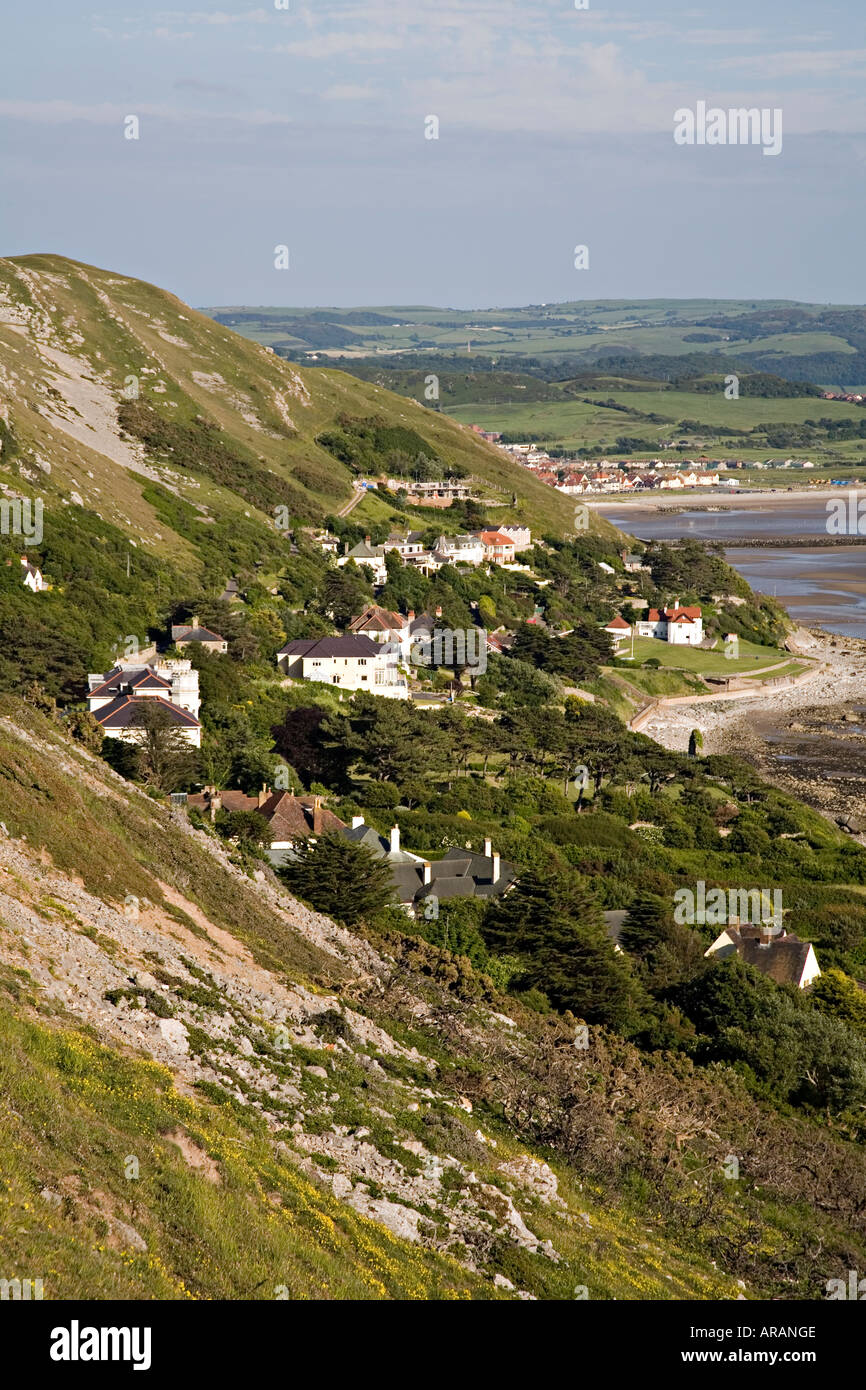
(683, 627)
(498, 548)
(618, 629)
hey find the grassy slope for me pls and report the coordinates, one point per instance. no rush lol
(268, 411)
(250, 1218)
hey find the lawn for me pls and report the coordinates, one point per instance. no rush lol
(710, 663)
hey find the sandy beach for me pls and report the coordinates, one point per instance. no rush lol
(695, 500)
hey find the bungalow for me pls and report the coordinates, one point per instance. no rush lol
(683, 627)
(419, 881)
(354, 662)
(498, 548)
(182, 634)
(784, 958)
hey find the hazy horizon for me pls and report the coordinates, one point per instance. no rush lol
(259, 127)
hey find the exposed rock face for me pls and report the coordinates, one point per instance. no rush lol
(533, 1176)
(210, 1013)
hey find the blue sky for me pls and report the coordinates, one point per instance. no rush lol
(306, 126)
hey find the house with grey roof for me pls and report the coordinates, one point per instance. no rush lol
(354, 662)
(418, 881)
(182, 634)
(366, 554)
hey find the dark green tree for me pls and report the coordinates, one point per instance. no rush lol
(340, 878)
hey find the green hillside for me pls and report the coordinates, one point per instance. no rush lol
(226, 426)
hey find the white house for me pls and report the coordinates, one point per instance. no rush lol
(366, 554)
(408, 547)
(683, 627)
(618, 629)
(115, 698)
(32, 577)
(520, 535)
(355, 662)
(460, 550)
(784, 957)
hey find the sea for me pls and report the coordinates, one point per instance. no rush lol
(820, 586)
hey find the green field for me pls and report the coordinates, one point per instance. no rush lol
(572, 424)
(814, 339)
(705, 663)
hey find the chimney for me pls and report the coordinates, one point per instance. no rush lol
(411, 615)
(439, 610)
(317, 816)
(367, 540)
(356, 821)
(494, 860)
(193, 622)
(766, 933)
(395, 839)
(216, 802)
(263, 794)
(428, 871)
(488, 847)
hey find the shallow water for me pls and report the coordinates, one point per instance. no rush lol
(821, 587)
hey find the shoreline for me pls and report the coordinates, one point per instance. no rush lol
(708, 501)
(754, 725)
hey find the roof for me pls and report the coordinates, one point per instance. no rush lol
(480, 868)
(122, 712)
(619, 623)
(138, 677)
(290, 816)
(673, 615)
(195, 634)
(783, 959)
(363, 550)
(410, 538)
(354, 645)
(377, 619)
(494, 538)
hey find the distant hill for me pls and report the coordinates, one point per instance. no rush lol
(801, 342)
